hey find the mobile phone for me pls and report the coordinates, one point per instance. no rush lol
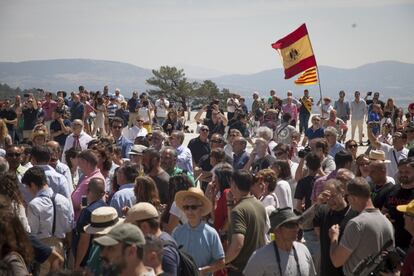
(369, 93)
(84, 201)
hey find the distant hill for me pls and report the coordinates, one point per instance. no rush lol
(68, 74)
(392, 79)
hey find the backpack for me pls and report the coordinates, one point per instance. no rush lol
(187, 265)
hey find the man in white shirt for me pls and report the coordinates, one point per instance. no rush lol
(136, 130)
(60, 167)
(358, 112)
(161, 105)
(232, 105)
(394, 153)
(77, 139)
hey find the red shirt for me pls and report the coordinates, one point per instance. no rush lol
(220, 213)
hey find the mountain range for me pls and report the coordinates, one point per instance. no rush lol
(390, 78)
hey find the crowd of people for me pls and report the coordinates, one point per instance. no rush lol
(97, 184)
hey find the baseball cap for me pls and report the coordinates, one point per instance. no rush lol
(126, 233)
(141, 211)
(407, 208)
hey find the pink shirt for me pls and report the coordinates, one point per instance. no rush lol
(82, 189)
(48, 108)
(292, 109)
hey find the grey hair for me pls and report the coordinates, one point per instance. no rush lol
(331, 130)
(265, 133)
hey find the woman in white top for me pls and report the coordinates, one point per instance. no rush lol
(100, 108)
(283, 190)
(144, 113)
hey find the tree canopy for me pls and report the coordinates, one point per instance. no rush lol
(172, 83)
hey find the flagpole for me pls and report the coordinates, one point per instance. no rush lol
(317, 70)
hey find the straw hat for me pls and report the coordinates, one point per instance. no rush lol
(197, 193)
(103, 219)
(378, 155)
(141, 211)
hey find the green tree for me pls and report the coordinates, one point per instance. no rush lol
(208, 91)
(172, 83)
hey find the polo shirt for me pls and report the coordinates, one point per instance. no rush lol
(203, 236)
(312, 134)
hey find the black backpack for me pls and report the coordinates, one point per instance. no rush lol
(187, 266)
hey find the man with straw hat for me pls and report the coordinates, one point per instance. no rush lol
(103, 219)
(198, 239)
(284, 256)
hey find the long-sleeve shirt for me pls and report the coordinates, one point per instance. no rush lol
(40, 215)
(82, 189)
(184, 159)
(358, 110)
(56, 181)
(123, 197)
(292, 109)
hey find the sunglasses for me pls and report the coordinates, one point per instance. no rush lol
(13, 154)
(204, 129)
(192, 207)
(140, 121)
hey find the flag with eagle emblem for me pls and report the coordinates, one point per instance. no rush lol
(295, 49)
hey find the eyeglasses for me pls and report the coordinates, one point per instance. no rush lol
(290, 225)
(204, 129)
(215, 141)
(13, 154)
(140, 121)
(192, 207)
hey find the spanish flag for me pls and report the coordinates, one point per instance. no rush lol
(296, 52)
(308, 77)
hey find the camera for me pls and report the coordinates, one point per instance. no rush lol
(302, 153)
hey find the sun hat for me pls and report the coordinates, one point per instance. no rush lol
(137, 150)
(197, 193)
(407, 208)
(378, 155)
(126, 233)
(141, 211)
(281, 216)
(103, 219)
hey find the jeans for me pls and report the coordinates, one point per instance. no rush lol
(303, 121)
(313, 244)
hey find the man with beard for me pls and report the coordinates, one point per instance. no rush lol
(400, 195)
(152, 167)
(123, 251)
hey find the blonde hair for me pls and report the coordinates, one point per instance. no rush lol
(3, 129)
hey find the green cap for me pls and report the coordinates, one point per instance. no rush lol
(126, 233)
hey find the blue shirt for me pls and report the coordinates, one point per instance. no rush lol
(40, 215)
(56, 181)
(374, 117)
(76, 111)
(123, 197)
(335, 149)
(312, 134)
(125, 145)
(202, 243)
(184, 159)
(133, 104)
(240, 160)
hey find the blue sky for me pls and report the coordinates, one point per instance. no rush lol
(232, 36)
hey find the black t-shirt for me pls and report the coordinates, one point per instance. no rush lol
(162, 181)
(30, 116)
(263, 163)
(198, 148)
(304, 189)
(8, 115)
(324, 219)
(214, 128)
(399, 196)
(380, 193)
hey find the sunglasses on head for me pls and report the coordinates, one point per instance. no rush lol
(192, 207)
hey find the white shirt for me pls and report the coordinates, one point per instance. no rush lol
(394, 156)
(284, 194)
(40, 215)
(232, 104)
(178, 213)
(133, 132)
(161, 109)
(84, 139)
